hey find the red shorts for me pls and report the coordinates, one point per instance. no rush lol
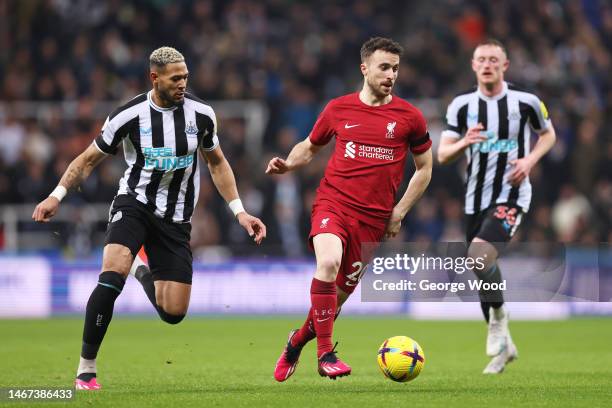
(353, 233)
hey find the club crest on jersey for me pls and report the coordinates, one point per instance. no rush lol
(390, 130)
(191, 129)
(324, 222)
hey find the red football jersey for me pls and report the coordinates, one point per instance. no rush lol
(372, 142)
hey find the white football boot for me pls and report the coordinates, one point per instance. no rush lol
(498, 363)
(498, 335)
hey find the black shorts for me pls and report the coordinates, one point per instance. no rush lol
(496, 224)
(166, 243)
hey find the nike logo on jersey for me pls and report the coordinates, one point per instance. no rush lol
(322, 320)
(347, 126)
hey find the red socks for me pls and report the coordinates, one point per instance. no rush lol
(306, 332)
(322, 313)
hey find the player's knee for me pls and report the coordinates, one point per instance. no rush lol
(329, 266)
(484, 255)
(117, 258)
(170, 318)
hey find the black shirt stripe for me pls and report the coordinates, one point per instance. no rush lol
(134, 176)
(462, 125)
(157, 129)
(462, 118)
(523, 108)
(502, 159)
(484, 157)
(189, 194)
(181, 150)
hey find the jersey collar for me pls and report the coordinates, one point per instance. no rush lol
(494, 97)
(154, 106)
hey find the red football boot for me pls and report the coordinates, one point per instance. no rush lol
(285, 366)
(331, 366)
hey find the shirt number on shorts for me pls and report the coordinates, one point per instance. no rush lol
(355, 277)
(503, 212)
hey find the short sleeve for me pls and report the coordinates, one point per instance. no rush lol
(323, 129)
(207, 123)
(419, 139)
(539, 120)
(108, 140)
(455, 119)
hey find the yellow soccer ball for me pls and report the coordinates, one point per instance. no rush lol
(400, 358)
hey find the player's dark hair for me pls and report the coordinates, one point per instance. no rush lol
(380, 43)
(495, 42)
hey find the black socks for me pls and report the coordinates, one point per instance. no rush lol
(490, 298)
(99, 312)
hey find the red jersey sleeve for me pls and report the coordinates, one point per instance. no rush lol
(419, 139)
(323, 129)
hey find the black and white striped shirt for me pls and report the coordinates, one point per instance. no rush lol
(507, 119)
(161, 150)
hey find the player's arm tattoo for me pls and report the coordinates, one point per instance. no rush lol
(81, 167)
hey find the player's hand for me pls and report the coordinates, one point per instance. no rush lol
(253, 225)
(522, 168)
(277, 166)
(394, 225)
(45, 209)
(473, 135)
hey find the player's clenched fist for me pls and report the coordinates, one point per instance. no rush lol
(277, 166)
(46, 209)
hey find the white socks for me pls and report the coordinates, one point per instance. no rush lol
(499, 313)
(86, 366)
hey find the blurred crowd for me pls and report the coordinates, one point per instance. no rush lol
(294, 56)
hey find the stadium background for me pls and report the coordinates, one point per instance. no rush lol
(268, 68)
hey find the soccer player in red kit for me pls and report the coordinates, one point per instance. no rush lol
(374, 130)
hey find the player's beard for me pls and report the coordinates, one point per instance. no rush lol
(377, 89)
(167, 98)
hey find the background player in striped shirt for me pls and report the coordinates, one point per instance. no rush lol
(163, 132)
(492, 125)
(374, 132)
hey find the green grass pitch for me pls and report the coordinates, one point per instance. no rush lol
(209, 362)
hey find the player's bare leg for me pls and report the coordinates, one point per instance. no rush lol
(116, 263)
(170, 299)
